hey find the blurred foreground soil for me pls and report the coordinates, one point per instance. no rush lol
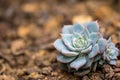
(29, 27)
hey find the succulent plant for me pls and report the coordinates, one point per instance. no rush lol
(83, 46)
(111, 52)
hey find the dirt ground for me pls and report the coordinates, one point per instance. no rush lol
(28, 29)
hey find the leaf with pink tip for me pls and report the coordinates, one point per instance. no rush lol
(92, 26)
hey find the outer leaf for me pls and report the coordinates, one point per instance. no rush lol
(113, 62)
(78, 63)
(62, 48)
(67, 39)
(58, 44)
(64, 59)
(69, 53)
(89, 62)
(95, 36)
(117, 52)
(116, 49)
(78, 28)
(102, 44)
(67, 29)
(95, 51)
(92, 26)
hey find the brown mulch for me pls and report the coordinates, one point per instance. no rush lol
(29, 27)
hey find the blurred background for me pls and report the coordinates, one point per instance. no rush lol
(29, 27)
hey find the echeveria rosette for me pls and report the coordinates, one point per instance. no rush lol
(111, 52)
(78, 47)
(82, 47)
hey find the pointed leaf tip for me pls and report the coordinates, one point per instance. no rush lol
(92, 26)
(78, 28)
